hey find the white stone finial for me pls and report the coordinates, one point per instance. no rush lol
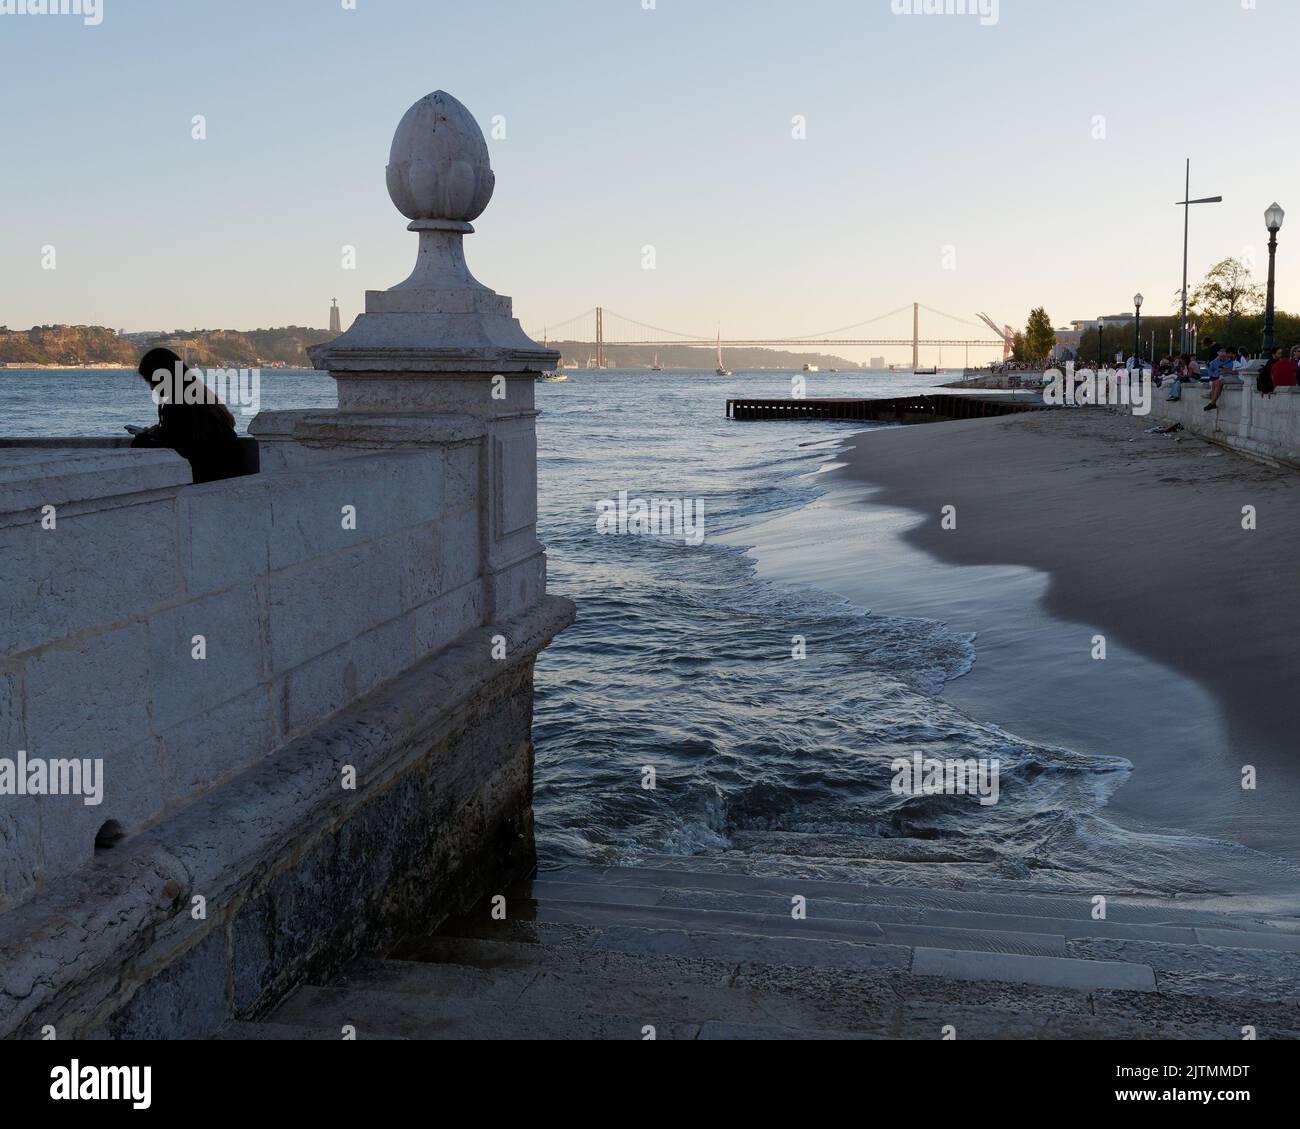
(439, 172)
(440, 322)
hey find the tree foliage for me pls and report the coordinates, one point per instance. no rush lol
(1224, 295)
(1035, 343)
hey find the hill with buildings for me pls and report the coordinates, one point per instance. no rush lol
(82, 345)
(65, 345)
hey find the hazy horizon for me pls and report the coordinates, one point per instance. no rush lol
(945, 161)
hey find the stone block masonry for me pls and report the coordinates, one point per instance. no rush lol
(1265, 427)
(309, 741)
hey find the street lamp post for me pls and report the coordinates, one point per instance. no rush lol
(1101, 327)
(1137, 331)
(1273, 218)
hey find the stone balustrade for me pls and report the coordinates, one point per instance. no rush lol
(310, 689)
(1267, 427)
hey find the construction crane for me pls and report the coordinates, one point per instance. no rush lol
(1007, 334)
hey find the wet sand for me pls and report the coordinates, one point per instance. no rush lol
(1072, 525)
(1141, 537)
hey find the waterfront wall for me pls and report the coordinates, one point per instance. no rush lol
(181, 633)
(311, 689)
(1267, 427)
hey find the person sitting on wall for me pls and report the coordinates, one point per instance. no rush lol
(1221, 363)
(1286, 369)
(1280, 371)
(192, 420)
(1230, 373)
(1185, 370)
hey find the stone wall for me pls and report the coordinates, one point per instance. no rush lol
(298, 613)
(311, 689)
(1267, 427)
(328, 648)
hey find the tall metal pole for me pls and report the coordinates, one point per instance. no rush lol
(600, 337)
(1186, 204)
(916, 336)
(1137, 339)
(1187, 217)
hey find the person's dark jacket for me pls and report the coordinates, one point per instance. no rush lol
(199, 435)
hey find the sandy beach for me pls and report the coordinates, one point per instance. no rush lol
(1140, 537)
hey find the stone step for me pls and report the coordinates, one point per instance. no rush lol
(719, 1012)
(703, 944)
(844, 997)
(551, 893)
(1274, 941)
(1239, 969)
(721, 1031)
(655, 991)
(740, 1012)
(987, 898)
(783, 925)
(384, 1014)
(237, 1030)
(1047, 971)
(719, 880)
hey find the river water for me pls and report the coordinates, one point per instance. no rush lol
(682, 664)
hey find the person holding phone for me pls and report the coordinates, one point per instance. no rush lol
(192, 420)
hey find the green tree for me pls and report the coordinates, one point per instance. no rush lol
(1225, 294)
(1035, 344)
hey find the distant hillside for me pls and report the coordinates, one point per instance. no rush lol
(66, 345)
(229, 348)
(690, 357)
(287, 346)
(204, 348)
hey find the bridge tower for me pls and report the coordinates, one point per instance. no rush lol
(916, 336)
(600, 337)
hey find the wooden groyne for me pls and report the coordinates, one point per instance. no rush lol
(901, 409)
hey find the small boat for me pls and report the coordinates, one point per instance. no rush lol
(925, 372)
(722, 369)
(811, 368)
(656, 367)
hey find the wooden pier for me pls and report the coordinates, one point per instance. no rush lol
(902, 409)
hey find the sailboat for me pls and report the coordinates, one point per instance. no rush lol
(722, 369)
(656, 367)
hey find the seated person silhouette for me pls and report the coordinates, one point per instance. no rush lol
(192, 420)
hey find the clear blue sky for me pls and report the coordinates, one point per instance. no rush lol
(627, 127)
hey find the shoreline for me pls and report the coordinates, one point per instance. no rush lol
(1176, 822)
(1141, 537)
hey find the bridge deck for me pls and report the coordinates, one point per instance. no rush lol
(901, 409)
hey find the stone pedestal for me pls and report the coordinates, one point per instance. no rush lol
(441, 344)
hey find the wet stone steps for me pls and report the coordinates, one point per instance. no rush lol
(713, 953)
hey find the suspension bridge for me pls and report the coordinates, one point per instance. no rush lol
(598, 328)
